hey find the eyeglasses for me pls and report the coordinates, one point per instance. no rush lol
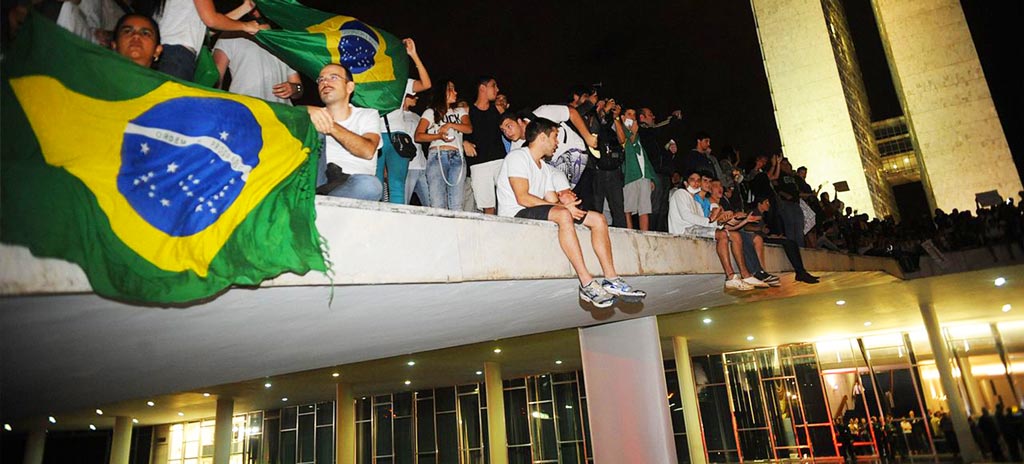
(329, 78)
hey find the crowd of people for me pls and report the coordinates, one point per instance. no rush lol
(608, 165)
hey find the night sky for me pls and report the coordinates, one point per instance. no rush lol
(699, 56)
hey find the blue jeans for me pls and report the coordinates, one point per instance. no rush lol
(749, 253)
(445, 174)
(360, 187)
(416, 182)
(398, 168)
(178, 61)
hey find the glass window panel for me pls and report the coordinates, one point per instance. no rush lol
(306, 434)
(483, 396)
(289, 418)
(470, 388)
(839, 354)
(769, 362)
(325, 413)
(364, 443)
(544, 443)
(403, 404)
(403, 440)
(755, 445)
(519, 455)
(714, 415)
(191, 449)
(325, 444)
(447, 439)
(307, 409)
(469, 421)
(675, 407)
(682, 448)
(271, 429)
(517, 425)
(445, 399)
(822, 443)
(288, 447)
(567, 412)
(586, 427)
(382, 421)
(427, 458)
(420, 394)
(255, 420)
(176, 441)
(192, 431)
(564, 376)
(255, 448)
(363, 409)
(581, 383)
(811, 395)
(541, 390)
(746, 396)
(511, 383)
(571, 453)
(384, 460)
(425, 426)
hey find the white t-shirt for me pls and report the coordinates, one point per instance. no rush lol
(360, 121)
(571, 155)
(519, 163)
(180, 25)
(254, 71)
(87, 16)
(453, 116)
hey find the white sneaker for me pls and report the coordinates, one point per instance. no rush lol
(735, 283)
(755, 282)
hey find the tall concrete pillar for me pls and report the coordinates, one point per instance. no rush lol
(968, 448)
(688, 401)
(121, 444)
(626, 393)
(497, 441)
(222, 431)
(974, 401)
(34, 447)
(344, 425)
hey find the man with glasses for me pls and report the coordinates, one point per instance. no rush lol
(351, 137)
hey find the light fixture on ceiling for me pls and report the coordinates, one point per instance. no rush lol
(150, 404)
(135, 421)
(181, 414)
(285, 399)
(840, 302)
(1000, 281)
(1007, 308)
(750, 338)
(99, 412)
(558, 361)
(268, 385)
(707, 320)
(867, 324)
(411, 363)
(92, 427)
(408, 382)
(53, 420)
(335, 375)
(8, 427)
(497, 350)
(206, 394)
(479, 372)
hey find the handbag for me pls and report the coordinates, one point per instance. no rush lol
(402, 142)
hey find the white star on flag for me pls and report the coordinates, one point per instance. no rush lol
(165, 202)
(145, 148)
(172, 168)
(224, 135)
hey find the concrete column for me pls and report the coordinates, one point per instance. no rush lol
(626, 393)
(222, 431)
(344, 425)
(34, 447)
(974, 403)
(121, 444)
(497, 441)
(688, 401)
(968, 448)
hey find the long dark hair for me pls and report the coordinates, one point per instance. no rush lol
(439, 101)
(151, 8)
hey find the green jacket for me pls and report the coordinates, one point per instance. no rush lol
(631, 166)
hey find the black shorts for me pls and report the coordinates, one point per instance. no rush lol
(540, 213)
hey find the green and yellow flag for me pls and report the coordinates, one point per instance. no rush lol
(162, 192)
(311, 39)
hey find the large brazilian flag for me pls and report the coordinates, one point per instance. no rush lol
(311, 39)
(161, 191)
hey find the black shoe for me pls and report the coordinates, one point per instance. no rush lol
(767, 278)
(806, 278)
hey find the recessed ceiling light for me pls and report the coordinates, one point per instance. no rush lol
(181, 414)
(411, 363)
(92, 427)
(135, 421)
(285, 399)
(497, 350)
(335, 375)
(7, 427)
(99, 412)
(267, 385)
(408, 382)
(840, 302)
(1007, 308)
(707, 320)
(53, 420)
(206, 395)
(479, 372)
(1000, 281)
(867, 324)
(150, 404)
(750, 338)
(558, 362)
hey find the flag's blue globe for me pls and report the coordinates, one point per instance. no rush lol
(358, 46)
(182, 169)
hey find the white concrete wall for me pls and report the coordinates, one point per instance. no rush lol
(810, 106)
(379, 243)
(947, 101)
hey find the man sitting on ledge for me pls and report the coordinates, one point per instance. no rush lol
(526, 189)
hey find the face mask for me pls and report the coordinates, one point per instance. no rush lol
(584, 108)
(693, 190)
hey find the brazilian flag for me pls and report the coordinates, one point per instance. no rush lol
(311, 39)
(162, 192)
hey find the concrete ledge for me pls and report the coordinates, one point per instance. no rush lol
(381, 243)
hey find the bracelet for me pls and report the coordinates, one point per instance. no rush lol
(298, 88)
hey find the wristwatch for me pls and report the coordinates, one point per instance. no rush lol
(298, 88)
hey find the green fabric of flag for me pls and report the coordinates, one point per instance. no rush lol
(311, 39)
(206, 73)
(162, 192)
